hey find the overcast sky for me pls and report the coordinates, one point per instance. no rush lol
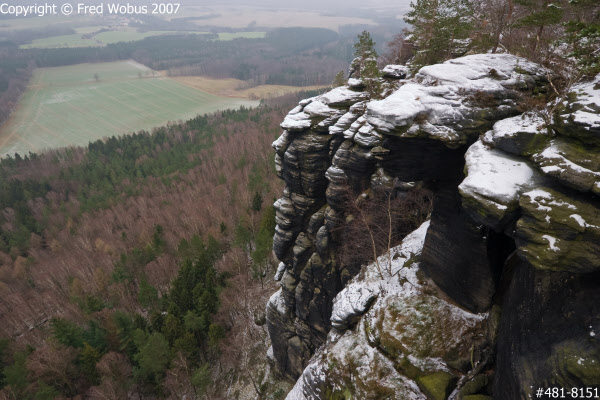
(325, 5)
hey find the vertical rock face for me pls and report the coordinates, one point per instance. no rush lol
(548, 332)
(514, 231)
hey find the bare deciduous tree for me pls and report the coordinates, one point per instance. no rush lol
(378, 220)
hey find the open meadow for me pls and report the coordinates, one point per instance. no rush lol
(76, 104)
(232, 87)
(102, 36)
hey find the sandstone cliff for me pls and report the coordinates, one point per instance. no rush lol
(498, 293)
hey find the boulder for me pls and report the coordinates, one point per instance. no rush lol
(522, 135)
(493, 184)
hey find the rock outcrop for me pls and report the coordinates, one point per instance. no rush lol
(511, 253)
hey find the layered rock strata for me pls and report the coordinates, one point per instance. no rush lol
(515, 226)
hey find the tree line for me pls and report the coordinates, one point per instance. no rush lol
(562, 35)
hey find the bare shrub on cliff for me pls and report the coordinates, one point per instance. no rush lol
(378, 220)
(398, 51)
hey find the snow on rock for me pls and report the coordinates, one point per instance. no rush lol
(321, 112)
(485, 72)
(342, 97)
(423, 326)
(495, 175)
(277, 301)
(355, 83)
(582, 222)
(493, 183)
(281, 144)
(350, 303)
(589, 101)
(358, 294)
(343, 123)
(395, 71)
(305, 102)
(511, 127)
(450, 96)
(551, 242)
(318, 108)
(570, 164)
(280, 272)
(296, 122)
(399, 110)
(521, 135)
(579, 116)
(558, 232)
(368, 137)
(297, 391)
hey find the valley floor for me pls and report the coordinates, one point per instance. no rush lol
(76, 104)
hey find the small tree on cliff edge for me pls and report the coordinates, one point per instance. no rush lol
(365, 64)
(440, 29)
(338, 80)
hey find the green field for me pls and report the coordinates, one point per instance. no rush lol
(76, 104)
(246, 35)
(124, 35)
(74, 40)
(102, 38)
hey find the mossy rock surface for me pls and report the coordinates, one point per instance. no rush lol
(572, 360)
(571, 163)
(474, 386)
(582, 101)
(426, 326)
(477, 397)
(437, 386)
(559, 232)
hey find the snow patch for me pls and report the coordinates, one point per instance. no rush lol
(553, 154)
(351, 302)
(319, 109)
(525, 123)
(341, 96)
(280, 272)
(542, 200)
(551, 242)
(495, 175)
(296, 122)
(589, 100)
(475, 71)
(278, 302)
(395, 71)
(579, 220)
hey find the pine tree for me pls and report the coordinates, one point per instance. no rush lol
(440, 29)
(16, 374)
(583, 35)
(147, 294)
(257, 201)
(154, 357)
(365, 64)
(338, 80)
(539, 15)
